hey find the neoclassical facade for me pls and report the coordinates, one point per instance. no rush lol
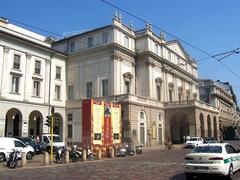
(220, 95)
(32, 79)
(154, 80)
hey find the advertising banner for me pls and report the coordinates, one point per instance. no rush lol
(97, 121)
(116, 123)
(107, 137)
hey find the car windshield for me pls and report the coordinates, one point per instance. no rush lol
(56, 139)
(207, 149)
(193, 139)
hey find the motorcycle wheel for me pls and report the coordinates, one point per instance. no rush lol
(59, 160)
(12, 164)
(91, 157)
(139, 151)
(75, 158)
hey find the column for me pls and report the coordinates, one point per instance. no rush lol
(4, 69)
(2, 127)
(25, 128)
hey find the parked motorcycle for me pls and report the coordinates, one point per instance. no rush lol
(126, 150)
(90, 155)
(12, 161)
(59, 156)
(139, 149)
(74, 155)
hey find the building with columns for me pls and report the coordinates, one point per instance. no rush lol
(32, 79)
(154, 80)
(221, 95)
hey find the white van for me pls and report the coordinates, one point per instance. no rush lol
(7, 145)
(46, 142)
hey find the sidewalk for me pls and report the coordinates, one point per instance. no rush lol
(161, 147)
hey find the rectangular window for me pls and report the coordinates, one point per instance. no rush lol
(57, 92)
(36, 88)
(70, 92)
(90, 42)
(70, 131)
(89, 89)
(37, 67)
(15, 84)
(72, 46)
(170, 95)
(159, 93)
(126, 42)
(70, 117)
(178, 61)
(104, 37)
(156, 49)
(105, 87)
(16, 64)
(169, 56)
(58, 72)
(127, 87)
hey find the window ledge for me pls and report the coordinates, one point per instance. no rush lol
(16, 93)
(39, 97)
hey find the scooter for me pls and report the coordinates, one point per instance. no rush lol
(90, 154)
(139, 149)
(126, 150)
(74, 155)
(59, 157)
(12, 161)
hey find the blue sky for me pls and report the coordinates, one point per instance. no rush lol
(212, 26)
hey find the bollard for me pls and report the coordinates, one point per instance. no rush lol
(24, 159)
(46, 158)
(67, 157)
(99, 154)
(112, 153)
(84, 154)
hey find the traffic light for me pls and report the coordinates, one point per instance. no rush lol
(48, 121)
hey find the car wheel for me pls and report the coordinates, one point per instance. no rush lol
(189, 176)
(230, 173)
(29, 155)
(2, 157)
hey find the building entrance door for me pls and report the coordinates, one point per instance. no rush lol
(142, 135)
(160, 135)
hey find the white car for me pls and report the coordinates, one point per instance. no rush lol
(7, 145)
(217, 159)
(194, 141)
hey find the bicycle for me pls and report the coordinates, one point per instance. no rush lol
(169, 146)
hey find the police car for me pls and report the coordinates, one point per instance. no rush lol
(217, 159)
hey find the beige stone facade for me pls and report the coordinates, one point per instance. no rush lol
(154, 80)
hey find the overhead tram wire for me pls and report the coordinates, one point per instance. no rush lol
(34, 27)
(145, 21)
(227, 54)
(185, 42)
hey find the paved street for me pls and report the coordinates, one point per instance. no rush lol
(153, 164)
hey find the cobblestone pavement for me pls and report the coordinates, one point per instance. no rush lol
(154, 163)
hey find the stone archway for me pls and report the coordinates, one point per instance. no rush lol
(179, 127)
(209, 126)
(202, 127)
(35, 127)
(58, 125)
(13, 124)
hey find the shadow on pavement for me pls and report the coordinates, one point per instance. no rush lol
(181, 176)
